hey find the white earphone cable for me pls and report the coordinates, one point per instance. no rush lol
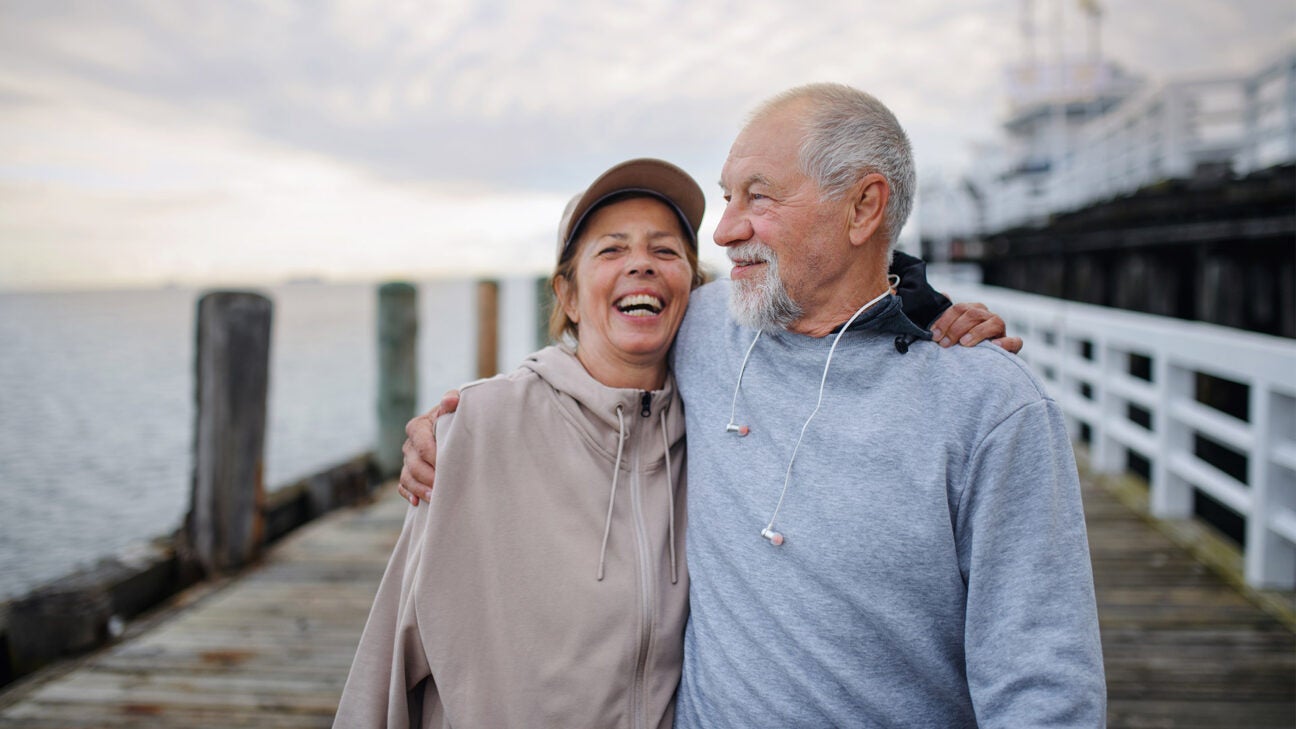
(733, 408)
(768, 532)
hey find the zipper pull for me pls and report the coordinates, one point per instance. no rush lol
(647, 400)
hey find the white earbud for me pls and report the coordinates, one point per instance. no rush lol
(774, 537)
(733, 427)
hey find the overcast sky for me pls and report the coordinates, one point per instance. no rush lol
(241, 141)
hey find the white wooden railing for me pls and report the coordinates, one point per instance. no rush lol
(1084, 354)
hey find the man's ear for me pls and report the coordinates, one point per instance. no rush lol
(565, 291)
(868, 207)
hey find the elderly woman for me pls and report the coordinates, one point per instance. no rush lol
(544, 585)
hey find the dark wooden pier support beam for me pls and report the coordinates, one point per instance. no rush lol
(224, 528)
(397, 372)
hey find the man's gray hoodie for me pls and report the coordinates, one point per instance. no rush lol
(935, 569)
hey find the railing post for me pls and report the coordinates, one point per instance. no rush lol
(1066, 393)
(1270, 560)
(1171, 497)
(224, 529)
(487, 328)
(397, 372)
(1107, 453)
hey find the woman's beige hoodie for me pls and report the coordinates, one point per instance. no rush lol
(544, 583)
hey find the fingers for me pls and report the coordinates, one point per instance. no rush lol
(421, 471)
(419, 468)
(422, 421)
(1012, 344)
(422, 429)
(992, 328)
(418, 473)
(411, 490)
(968, 324)
(404, 492)
(449, 403)
(421, 436)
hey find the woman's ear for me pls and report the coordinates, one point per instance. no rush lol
(565, 291)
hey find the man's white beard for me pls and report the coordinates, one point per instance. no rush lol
(764, 303)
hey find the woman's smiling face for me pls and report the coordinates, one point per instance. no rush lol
(631, 286)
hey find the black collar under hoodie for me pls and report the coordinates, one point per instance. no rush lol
(914, 301)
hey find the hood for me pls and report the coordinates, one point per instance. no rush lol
(922, 303)
(889, 317)
(595, 404)
(607, 417)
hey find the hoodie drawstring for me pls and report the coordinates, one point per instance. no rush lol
(670, 494)
(616, 471)
(670, 497)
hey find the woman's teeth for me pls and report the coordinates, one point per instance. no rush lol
(639, 305)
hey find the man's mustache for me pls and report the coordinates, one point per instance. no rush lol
(751, 252)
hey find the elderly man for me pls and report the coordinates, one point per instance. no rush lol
(882, 532)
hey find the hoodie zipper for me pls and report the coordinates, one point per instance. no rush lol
(645, 577)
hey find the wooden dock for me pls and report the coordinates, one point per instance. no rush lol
(272, 647)
(1183, 649)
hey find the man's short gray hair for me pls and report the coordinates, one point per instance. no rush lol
(850, 134)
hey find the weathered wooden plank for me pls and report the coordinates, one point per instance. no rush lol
(1224, 714)
(1226, 640)
(328, 666)
(144, 716)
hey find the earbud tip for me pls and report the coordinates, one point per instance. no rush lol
(776, 539)
(744, 430)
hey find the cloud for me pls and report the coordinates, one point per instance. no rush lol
(91, 197)
(387, 108)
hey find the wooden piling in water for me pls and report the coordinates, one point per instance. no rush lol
(225, 525)
(397, 372)
(544, 303)
(82, 610)
(487, 328)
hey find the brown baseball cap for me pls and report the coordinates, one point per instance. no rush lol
(655, 177)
